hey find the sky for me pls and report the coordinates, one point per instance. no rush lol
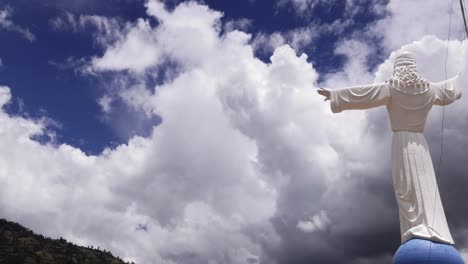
(191, 131)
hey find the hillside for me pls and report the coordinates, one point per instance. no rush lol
(19, 245)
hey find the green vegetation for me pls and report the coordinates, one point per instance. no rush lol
(19, 245)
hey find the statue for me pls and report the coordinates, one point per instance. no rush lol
(409, 98)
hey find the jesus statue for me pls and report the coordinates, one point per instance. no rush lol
(425, 234)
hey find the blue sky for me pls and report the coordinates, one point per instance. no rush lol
(200, 121)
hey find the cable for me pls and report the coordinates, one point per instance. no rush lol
(462, 6)
(465, 18)
(442, 127)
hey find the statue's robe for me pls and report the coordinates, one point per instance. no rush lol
(420, 208)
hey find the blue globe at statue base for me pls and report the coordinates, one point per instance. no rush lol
(420, 251)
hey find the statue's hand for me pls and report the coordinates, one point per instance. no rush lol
(325, 93)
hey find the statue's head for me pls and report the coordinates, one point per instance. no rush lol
(405, 74)
(404, 59)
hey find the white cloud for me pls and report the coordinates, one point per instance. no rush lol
(301, 6)
(300, 38)
(5, 95)
(105, 30)
(65, 22)
(105, 103)
(319, 222)
(306, 8)
(355, 70)
(7, 24)
(242, 24)
(420, 15)
(137, 51)
(268, 42)
(216, 194)
(156, 9)
(143, 46)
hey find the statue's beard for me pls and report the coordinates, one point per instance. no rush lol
(407, 77)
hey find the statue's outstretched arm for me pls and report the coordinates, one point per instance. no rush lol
(358, 97)
(446, 92)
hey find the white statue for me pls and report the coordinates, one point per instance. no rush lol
(408, 99)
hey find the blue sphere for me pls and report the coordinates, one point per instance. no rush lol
(420, 251)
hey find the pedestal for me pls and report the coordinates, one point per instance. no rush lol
(420, 251)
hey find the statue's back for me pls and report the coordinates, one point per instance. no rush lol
(409, 107)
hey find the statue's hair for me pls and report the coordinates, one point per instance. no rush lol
(406, 77)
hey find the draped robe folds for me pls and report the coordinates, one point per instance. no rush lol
(420, 208)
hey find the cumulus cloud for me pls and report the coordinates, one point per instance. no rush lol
(209, 172)
(190, 187)
(420, 15)
(136, 51)
(7, 24)
(101, 199)
(143, 46)
(248, 164)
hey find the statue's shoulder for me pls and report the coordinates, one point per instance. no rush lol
(409, 88)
